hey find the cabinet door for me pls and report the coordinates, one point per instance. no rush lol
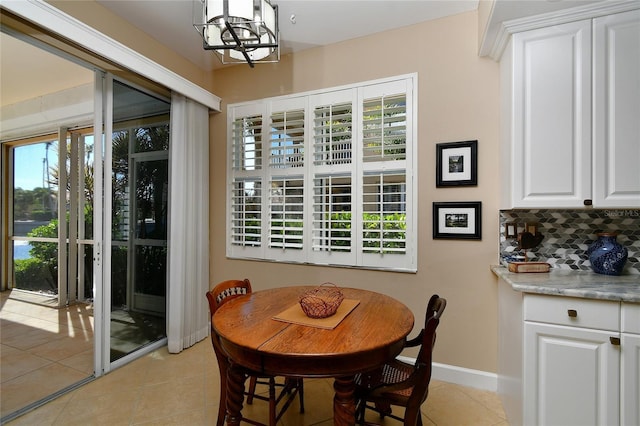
(617, 110)
(571, 376)
(630, 380)
(552, 116)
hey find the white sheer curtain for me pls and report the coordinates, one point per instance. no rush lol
(188, 312)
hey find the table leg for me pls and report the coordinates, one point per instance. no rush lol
(235, 394)
(344, 404)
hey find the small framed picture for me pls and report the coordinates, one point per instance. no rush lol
(457, 220)
(457, 164)
(511, 230)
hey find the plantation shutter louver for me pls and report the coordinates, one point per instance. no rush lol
(286, 218)
(332, 213)
(384, 217)
(247, 143)
(287, 139)
(332, 134)
(246, 213)
(384, 128)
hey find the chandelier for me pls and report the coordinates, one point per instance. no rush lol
(240, 31)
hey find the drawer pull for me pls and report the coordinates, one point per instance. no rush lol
(572, 313)
(614, 340)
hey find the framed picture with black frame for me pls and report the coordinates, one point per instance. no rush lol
(457, 220)
(457, 164)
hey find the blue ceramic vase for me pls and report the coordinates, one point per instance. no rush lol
(607, 255)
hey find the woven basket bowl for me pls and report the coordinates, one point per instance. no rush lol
(322, 301)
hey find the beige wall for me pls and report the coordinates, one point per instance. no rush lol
(457, 100)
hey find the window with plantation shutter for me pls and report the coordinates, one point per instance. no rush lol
(334, 184)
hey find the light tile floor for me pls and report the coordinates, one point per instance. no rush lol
(165, 389)
(43, 349)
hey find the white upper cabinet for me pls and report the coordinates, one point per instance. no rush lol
(571, 114)
(616, 95)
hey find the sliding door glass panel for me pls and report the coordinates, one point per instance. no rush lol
(140, 143)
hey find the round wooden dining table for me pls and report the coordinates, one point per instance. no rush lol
(372, 333)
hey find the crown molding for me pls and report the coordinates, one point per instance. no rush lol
(507, 28)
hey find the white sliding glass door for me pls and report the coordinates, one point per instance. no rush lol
(137, 161)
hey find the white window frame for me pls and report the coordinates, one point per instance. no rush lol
(356, 168)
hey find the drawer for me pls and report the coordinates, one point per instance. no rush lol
(630, 318)
(577, 312)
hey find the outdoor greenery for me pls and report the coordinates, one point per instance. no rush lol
(40, 271)
(33, 204)
(381, 233)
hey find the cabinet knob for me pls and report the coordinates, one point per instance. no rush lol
(572, 313)
(614, 340)
(588, 202)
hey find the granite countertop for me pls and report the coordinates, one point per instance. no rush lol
(583, 284)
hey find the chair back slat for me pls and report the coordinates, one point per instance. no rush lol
(225, 291)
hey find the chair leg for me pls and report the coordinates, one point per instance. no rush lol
(222, 405)
(359, 412)
(252, 389)
(301, 394)
(272, 402)
(222, 409)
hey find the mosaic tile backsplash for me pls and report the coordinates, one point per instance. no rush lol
(568, 233)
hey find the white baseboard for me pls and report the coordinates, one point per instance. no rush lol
(461, 376)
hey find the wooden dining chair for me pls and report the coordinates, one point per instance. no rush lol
(398, 383)
(289, 387)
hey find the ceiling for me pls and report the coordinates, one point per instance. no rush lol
(312, 23)
(303, 23)
(316, 23)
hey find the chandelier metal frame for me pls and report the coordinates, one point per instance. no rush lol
(245, 31)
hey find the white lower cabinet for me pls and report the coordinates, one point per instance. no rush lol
(630, 365)
(571, 361)
(571, 376)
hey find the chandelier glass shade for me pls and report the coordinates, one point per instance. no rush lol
(241, 31)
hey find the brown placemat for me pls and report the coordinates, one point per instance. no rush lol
(296, 315)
